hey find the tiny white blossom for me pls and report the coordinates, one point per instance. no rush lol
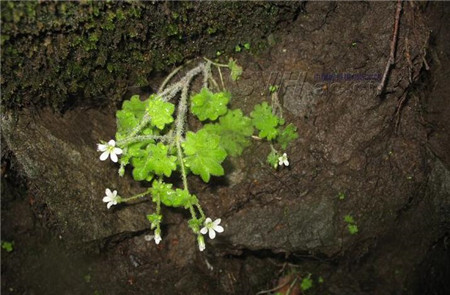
(201, 243)
(110, 150)
(157, 237)
(148, 238)
(283, 160)
(212, 227)
(111, 198)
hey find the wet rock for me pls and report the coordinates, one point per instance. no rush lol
(297, 227)
(58, 155)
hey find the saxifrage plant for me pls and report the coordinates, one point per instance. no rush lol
(154, 138)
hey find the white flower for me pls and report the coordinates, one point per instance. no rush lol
(283, 160)
(111, 198)
(109, 149)
(212, 227)
(201, 243)
(157, 237)
(148, 238)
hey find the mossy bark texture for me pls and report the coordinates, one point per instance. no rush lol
(62, 53)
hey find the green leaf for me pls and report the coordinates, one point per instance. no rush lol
(349, 219)
(160, 112)
(171, 197)
(235, 69)
(204, 154)
(352, 228)
(136, 149)
(237, 48)
(195, 225)
(306, 283)
(141, 170)
(272, 159)
(8, 246)
(208, 105)
(273, 88)
(247, 46)
(234, 130)
(155, 219)
(184, 198)
(129, 116)
(341, 196)
(163, 192)
(265, 121)
(285, 136)
(157, 160)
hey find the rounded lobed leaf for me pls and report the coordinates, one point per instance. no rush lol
(207, 105)
(160, 112)
(265, 121)
(234, 130)
(204, 155)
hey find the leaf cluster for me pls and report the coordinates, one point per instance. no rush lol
(170, 197)
(225, 132)
(351, 224)
(271, 127)
(147, 157)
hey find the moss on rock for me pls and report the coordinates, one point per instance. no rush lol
(62, 53)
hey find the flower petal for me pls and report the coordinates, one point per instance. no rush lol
(106, 199)
(157, 239)
(217, 222)
(218, 229)
(208, 220)
(212, 234)
(286, 162)
(114, 193)
(108, 192)
(117, 151)
(114, 158)
(204, 230)
(109, 205)
(101, 147)
(104, 156)
(148, 238)
(112, 142)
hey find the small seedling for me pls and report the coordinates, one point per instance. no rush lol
(8, 246)
(238, 48)
(341, 196)
(306, 283)
(273, 88)
(352, 229)
(351, 224)
(247, 46)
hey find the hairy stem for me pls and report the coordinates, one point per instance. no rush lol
(170, 76)
(145, 120)
(202, 214)
(141, 138)
(216, 64)
(221, 78)
(192, 211)
(180, 159)
(124, 200)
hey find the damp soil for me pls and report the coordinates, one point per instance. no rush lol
(389, 155)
